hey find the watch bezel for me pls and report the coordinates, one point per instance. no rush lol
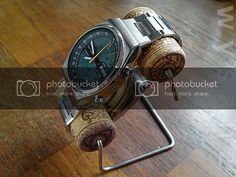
(81, 93)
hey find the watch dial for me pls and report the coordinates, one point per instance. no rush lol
(93, 58)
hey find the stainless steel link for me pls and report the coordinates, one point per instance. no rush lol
(149, 27)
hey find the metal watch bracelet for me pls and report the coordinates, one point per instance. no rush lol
(149, 27)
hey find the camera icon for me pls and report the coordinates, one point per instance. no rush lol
(146, 88)
(27, 88)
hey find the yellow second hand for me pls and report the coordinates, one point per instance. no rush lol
(99, 52)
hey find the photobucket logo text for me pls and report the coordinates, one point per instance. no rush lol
(64, 84)
(193, 84)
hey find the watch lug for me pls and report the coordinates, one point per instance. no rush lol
(68, 111)
(130, 41)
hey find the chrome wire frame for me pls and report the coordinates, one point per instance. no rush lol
(159, 150)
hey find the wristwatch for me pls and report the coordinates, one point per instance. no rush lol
(103, 58)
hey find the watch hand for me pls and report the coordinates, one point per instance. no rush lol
(87, 58)
(92, 47)
(100, 52)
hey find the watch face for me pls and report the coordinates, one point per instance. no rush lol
(93, 58)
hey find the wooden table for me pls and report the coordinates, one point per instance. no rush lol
(35, 142)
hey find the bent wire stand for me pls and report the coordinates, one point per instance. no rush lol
(159, 150)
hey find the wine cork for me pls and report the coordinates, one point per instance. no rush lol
(161, 55)
(92, 123)
(138, 11)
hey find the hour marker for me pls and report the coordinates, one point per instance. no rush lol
(105, 37)
(87, 58)
(92, 47)
(86, 52)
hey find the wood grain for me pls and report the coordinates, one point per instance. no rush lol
(200, 166)
(40, 33)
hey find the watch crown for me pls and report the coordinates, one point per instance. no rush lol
(128, 71)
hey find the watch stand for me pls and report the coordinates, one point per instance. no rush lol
(67, 108)
(158, 150)
(94, 128)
